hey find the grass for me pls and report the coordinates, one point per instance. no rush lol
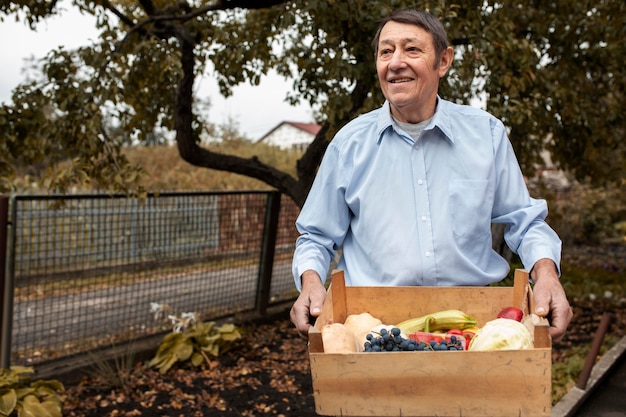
(580, 282)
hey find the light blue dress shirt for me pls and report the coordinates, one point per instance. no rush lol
(419, 212)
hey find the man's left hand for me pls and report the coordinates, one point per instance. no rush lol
(550, 298)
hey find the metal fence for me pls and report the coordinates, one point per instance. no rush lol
(83, 272)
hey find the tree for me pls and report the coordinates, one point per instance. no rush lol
(552, 71)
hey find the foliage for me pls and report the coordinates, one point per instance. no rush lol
(191, 340)
(165, 170)
(116, 369)
(585, 215)
(552, 71)
(565, 374)
(195, 344)
(599, 278)
(19, 396)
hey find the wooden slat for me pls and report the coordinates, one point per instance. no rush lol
(468, 384)
(316, 345)
(339, 296)
(395, 304)
(520, 290)
(541, 335)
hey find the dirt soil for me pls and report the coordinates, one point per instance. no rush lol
(267, 374)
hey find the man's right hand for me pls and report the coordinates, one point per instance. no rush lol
(309, 302)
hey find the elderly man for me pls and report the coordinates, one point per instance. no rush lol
(409, 190)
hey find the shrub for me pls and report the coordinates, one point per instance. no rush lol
(196, 344)
(19, 396)
(191, 340)
(587, 215)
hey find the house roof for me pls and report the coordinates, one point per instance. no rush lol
(311, 128)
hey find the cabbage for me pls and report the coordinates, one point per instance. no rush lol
(502, 334)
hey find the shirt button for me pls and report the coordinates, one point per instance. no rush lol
(420, 182)
(427, 253)
(424, 218)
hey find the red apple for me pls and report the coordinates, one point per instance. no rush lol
(512, 313)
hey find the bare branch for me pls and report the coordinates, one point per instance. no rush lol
(123, 18)
(148, 7)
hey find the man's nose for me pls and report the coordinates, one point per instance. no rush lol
(397, 60)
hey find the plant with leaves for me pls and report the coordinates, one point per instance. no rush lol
(21, 396)
(197, 344)
(191, 340)
(114, 367)
(551, 71)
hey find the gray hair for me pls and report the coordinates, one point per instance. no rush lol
(422, 19)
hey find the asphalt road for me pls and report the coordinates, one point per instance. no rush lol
(61, 322)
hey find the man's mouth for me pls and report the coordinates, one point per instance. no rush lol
(400, 80)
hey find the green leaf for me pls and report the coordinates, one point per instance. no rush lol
(8, 400)
(231, 337)
(53, 408)
(197, 359)
(213, 350)
(184, 351)
(227, 328)
(31, 407)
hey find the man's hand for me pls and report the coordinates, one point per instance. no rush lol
(309, 302)
(550, 298)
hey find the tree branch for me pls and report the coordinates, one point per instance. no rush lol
(187, 144)
(148, 7)
(123, 18)
(307, 165)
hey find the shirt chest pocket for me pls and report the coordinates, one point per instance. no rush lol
(470, 203)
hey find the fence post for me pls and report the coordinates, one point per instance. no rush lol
(6, 287)
(268, 248)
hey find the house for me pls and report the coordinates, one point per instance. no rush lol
(291, 135)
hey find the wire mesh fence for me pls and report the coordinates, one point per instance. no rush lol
(87, 271)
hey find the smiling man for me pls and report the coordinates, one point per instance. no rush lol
(409, 66)
(409, 191)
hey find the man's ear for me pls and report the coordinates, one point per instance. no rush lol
(445, 61)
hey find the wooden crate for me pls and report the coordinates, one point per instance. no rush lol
(512, 383)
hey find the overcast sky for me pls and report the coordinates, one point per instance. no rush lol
(257, 109)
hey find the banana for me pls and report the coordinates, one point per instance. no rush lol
(441, 320)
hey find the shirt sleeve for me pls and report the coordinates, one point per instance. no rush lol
(527, 233)
(323, 220)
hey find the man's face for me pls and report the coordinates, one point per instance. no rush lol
(408, 71)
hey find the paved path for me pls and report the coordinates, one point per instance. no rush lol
(102, 313)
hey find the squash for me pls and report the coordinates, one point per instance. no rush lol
(337, 338)
(360, 325)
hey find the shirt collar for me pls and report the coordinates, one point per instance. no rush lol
(441, 120)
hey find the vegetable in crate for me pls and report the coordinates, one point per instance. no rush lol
(361, 325)
(337, 338)
(512, 313)
(502, 334)
(441, 320)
